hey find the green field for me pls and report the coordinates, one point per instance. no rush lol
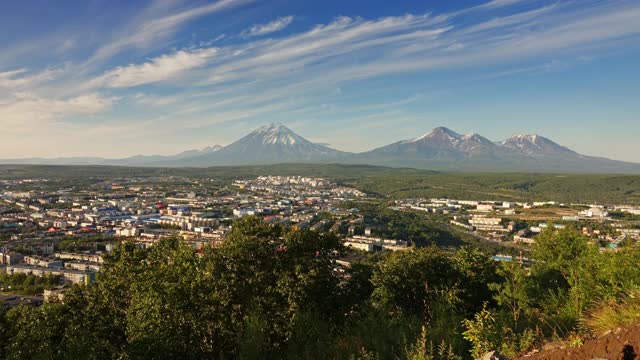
(393, 183)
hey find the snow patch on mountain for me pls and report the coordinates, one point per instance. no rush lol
(276, 133)
(440, 133)
(536, 145)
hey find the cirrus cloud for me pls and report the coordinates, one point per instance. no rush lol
(18, 78)
(157, 69)
(271, 27)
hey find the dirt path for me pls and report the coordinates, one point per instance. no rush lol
(621, 344)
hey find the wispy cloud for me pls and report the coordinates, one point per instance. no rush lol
(553, 65)
(350, 48)
(343, 37)
(515, 19)
(494, 4)
(148, 28)
(250, 77)
(268, 28)
(157, 69)
(19, 78)
(303, 66)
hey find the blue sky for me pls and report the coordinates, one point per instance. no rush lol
(119, 78)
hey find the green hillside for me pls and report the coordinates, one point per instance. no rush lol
(394, 183)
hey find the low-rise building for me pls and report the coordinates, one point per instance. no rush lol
(95, 258)
(71, 275)
(42, 261)
(485, 207)
(10, 258)
(595, 212)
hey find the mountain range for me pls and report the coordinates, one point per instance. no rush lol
(439, 149)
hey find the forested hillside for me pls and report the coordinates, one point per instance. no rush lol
(394, 183)
(270, 292)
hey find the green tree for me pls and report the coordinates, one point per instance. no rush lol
(99, 313)
(413, 281)
(477, 271)
(4, 332)
(357, 285)
(511, 293)
(163, 319)
(574, 258)
(618, 272)
(37, 332)
(282, 273)
(311, 338)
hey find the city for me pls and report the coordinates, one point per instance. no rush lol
(64, 232)
(63, 238)
(320, 180)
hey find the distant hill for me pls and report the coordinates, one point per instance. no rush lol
(440, 149)
(159, 160)
(137, 160)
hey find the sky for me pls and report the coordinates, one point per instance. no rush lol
(119, 78)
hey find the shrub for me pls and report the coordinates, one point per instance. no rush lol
(481, 332)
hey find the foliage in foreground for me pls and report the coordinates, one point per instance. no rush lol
(269, 292)
(613, 313)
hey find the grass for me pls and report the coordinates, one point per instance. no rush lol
(613, 313)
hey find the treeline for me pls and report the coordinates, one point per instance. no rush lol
(567, 188)
(74, 244)
(24, 284)
(396, 183)
(274, 293)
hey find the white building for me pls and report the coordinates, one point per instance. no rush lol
(595, 212)
(485, 207)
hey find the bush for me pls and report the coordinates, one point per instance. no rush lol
(482, 332)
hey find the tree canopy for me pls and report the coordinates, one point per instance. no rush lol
(274, 292)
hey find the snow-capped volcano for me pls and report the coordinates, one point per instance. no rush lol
(443, 148)
(445, 145)
(269, 144)
(276, 133)
(439, 143)
(473, 143)
(536, 145)
(439, 149)
(440, 135)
